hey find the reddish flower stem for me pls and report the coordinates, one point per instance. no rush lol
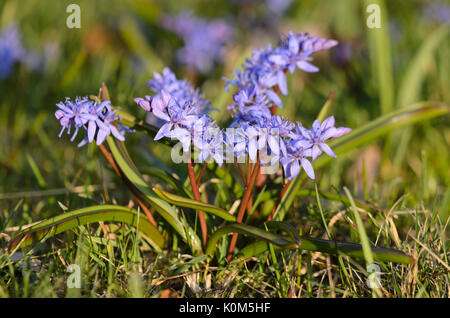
(245, 200)
(199, 177)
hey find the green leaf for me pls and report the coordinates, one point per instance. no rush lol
(337, 248)
(258, 233)
(163, 175)
(194, 261)
(193, 204)
(339, 198)
(382, 125)
(67, 221)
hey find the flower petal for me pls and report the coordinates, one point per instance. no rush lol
(307, 67)
(327, 149)
(308, 168)
(92, 127)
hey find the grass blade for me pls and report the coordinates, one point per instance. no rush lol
(380, 52)
(361, 230)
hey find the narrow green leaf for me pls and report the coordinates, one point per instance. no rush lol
(336, 248)
(247, 230)
(382, 125)
(67, 221)
(193, 204)
(194, 261)
(163, 175)
(288, 198)
(339, 198)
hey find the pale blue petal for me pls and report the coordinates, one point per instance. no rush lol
(308, 168)
(327, 150)
(307, 67)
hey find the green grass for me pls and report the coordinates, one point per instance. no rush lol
(390, 191)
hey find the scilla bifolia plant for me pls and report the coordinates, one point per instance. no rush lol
(255, 144)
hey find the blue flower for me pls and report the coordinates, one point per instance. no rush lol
(145, 103)
(97, 119)
(166, 108)
(295, 159)
(316, 137)
(280, 132)
(12, 51)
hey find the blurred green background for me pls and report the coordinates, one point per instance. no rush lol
(121, 43)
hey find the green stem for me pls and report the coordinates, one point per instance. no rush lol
(309, 244)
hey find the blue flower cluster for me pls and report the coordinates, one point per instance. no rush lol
(11, 50)
(293, 144)
(181, 107)
(98, 120)
(254, 129)
(204, 40)
(255, 132)
(266, 70)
